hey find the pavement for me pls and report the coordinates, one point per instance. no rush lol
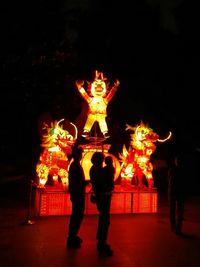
(138, 240)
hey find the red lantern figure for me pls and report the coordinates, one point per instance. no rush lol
(136, 160)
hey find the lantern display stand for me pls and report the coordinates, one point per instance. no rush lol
(96, 139)
(53, 202)
(126, 199)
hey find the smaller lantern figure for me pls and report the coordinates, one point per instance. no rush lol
(97, 101)
(53, 162)
(136, 161)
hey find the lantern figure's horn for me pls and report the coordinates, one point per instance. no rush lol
(59, 122)
(167, 138)
(76, 131)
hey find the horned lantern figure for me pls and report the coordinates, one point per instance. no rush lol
(53, 161)
(136, 160)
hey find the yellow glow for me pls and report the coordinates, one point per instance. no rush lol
(54, 149)
(128, 172)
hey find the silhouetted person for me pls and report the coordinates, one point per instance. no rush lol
(103, 192)
(77, 185)
(176, 194)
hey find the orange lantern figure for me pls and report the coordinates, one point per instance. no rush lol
(97, 101)
(136, 160)
(53, 161)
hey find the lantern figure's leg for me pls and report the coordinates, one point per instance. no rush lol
(140, 180)
(150, 183)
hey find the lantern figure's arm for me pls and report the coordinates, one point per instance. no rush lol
(112, 91)
(84, 94)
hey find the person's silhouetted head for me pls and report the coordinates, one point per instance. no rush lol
(77, 153)
(108, 160)
(97, 158)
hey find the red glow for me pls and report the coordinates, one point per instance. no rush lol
(52, 202)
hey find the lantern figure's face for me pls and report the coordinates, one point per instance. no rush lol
(141, 133)
(64, 140)
(57, 138)
(144, 139)
(98, 88)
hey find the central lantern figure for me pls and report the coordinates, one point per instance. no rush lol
(98, 100)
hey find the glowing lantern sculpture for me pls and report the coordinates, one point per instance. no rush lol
(53, 161)
(99, 97)
(136, 160)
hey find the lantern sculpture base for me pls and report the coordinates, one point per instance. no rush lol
(49, 202)
(95, 140)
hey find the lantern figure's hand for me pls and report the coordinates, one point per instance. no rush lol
(117, 82)
(79, 84)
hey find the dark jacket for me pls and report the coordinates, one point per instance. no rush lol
(108, 177)
(96, 178)
(102, 179)
(77, 182)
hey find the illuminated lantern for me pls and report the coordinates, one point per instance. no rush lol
(53, 161)
(88, 151)
(98, 98)
(136, 160)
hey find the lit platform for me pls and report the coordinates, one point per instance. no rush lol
(51, 201)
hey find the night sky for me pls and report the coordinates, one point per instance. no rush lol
(151, 46)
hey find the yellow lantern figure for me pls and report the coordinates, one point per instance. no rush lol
(97, 101)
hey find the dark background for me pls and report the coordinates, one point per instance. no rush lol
(151, 46)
